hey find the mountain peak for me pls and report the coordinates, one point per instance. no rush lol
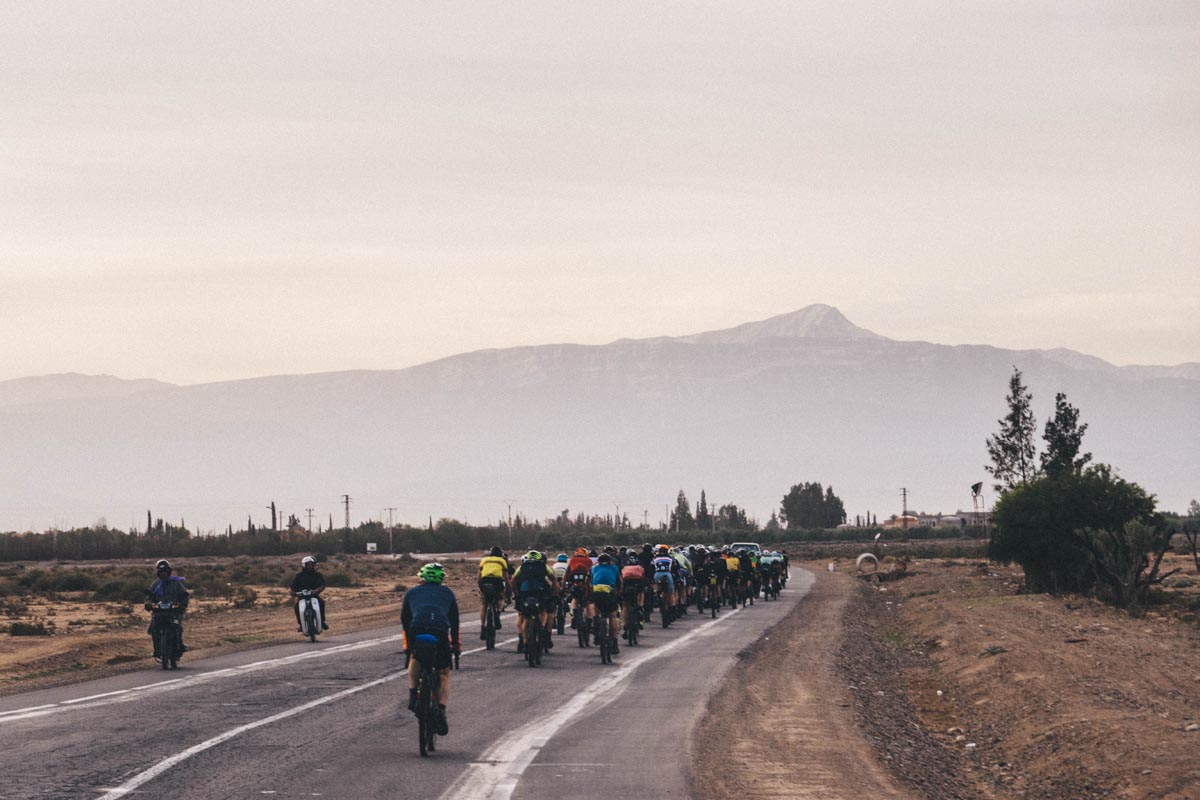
(817, 321)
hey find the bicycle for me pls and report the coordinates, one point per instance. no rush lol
(605, 635)
(428, 691)
(560, 615)
(531, 609)
(631, 618)
(491, 620)
(714, 595)
(664, 607)
(577, 616)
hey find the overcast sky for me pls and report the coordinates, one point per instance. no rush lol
(196, 192)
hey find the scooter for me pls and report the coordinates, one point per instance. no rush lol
(310, 614)
(165, 624)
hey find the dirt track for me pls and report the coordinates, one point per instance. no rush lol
(790, 732)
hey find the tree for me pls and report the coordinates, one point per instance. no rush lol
(703, 521)
(1194, 509)
(808, 505)
(1012, 449)
(1073, 532)
(1064, 436)
(681, 517)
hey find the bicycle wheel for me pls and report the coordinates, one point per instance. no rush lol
(489, 627)
(581, 628)
(424, 713)
(561, 618)
(664, 611)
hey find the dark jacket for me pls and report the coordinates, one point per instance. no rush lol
(171, 590)
(308, 580)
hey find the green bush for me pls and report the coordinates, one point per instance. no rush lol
(339, 580)
(74, 581)
(117, 591)
(35, 628)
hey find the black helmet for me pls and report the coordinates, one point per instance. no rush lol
(592, 552)
(605, 558)
(647, 548)
(162, 564)
(609, 549)
(496, 551)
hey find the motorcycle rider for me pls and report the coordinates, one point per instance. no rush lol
(309, 578)
(167, 588)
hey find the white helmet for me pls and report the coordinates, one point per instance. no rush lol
(307, 560)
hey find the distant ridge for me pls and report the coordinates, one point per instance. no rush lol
(71, 386)
(816, 321)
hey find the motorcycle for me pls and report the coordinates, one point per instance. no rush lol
(310, 613)
(166, 631)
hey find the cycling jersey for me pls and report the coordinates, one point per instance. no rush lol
(493, 567)
(578, 567)
(665, 564)
(430, 605)
(606, 575)
(534, 578)
(559, 568)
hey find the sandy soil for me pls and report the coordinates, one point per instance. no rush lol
(782, 727)
(94, 640)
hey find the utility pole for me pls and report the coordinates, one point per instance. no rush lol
(645, 518)
(310, 513)
(390, 509)
(617, 518)
(904, 512)
(346, 501)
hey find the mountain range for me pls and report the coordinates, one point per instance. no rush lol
(742, 413)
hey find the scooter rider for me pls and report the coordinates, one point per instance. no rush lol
(168, 588)
(309, 578)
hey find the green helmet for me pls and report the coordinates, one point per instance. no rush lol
(534, 555)
(432, 573)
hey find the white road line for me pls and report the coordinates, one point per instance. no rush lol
(495, 775)
(126, 695)
(167, 763)
(95, 697)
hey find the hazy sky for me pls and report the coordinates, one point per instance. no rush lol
(203, 191)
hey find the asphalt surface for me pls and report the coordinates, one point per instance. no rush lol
(328, 720)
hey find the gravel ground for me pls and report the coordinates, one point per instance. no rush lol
(873, 666)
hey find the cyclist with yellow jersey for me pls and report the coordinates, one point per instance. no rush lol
(494, 575)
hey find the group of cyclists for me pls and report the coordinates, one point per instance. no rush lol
(590, 587)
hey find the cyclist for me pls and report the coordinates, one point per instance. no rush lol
(683, 580)
(606, 587)
(732, 566)
(534, 579)
(646, 559)
(309, 578)
(665, 571)
(633, 580)
(745, 570)
(170, 588)
(560, 568)
(431, 608)
(494, 575)
(578, 582)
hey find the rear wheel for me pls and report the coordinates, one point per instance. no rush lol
(310, 623)
(581, 627)
(424, 716)
(489, 627)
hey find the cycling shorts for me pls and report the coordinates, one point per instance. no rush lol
(665, 577)
(606, 602)
(491, 587)
(436, 652)
(631, 590)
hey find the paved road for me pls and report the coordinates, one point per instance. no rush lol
(327, 720)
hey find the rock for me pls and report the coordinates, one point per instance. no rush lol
(970, 745)
(960, 738)
(954, 731)
(1192, 728)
